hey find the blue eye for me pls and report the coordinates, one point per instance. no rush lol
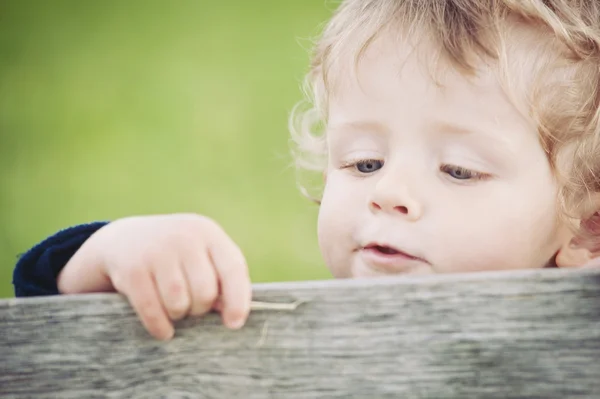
(369, 165)
(459, 173)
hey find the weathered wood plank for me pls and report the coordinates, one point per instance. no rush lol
(528, 334)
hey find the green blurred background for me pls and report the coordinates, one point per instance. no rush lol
(115, 108)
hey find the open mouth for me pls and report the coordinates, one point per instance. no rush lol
(389, 251)
(387, 259)
(385, 250)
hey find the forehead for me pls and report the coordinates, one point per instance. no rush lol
(525, 55)
(404, 78)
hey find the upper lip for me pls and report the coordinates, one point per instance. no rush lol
(377, 244)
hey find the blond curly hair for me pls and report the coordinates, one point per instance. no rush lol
(547, 54)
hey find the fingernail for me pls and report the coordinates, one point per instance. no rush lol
(166, 336)
(236, 324)
(170, 334)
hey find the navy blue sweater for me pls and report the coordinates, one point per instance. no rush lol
(36, 271)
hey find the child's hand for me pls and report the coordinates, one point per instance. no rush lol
(168, 267)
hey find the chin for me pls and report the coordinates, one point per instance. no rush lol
(339, 269)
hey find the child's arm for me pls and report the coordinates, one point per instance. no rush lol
(37, 270)
(167, 266)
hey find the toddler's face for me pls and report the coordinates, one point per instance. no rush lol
(424, 178)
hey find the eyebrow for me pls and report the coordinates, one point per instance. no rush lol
(360, 126)
(440, 126)
(445, 127)
(448, 127)
(377, 127)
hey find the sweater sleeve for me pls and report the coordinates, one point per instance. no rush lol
(37, 270)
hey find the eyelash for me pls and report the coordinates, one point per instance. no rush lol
(472, 175)
(355, 165)
(445, 168)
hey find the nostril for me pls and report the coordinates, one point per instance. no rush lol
(401, 209)
(375, 205)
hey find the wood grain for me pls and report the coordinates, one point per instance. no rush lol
(527, 334)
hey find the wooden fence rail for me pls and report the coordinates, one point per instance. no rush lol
(527, 334)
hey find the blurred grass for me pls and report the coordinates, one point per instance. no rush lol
(113, 108)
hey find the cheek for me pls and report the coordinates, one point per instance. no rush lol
(338, 213)
(501, 231)
(475, 243)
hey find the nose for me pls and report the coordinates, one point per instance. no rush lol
(392, 195)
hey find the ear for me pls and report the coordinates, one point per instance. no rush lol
(591, 229)
(571, 255)
(580, 250)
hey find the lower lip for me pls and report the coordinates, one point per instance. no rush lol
(390, 263)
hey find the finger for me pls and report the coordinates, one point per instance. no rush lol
(172, 287)
(141, 291)
(218, 305)
(232, 273)
(202, 280)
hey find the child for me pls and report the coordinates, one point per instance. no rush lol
(461, 135)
